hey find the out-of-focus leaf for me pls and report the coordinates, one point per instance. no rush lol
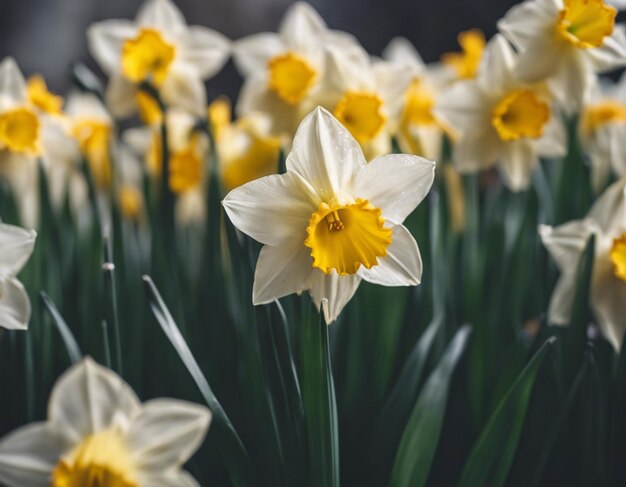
(421, 435)
(491, 457)
(73, 350)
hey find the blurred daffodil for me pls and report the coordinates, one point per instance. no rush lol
(366, 96)
(602, 130)
(500, 120)
(158, 48)
(418, 130)
(245, 150)
(283, 70)
(465, 64)
(98, 433)
(27, 135)
(16, 246)
(40, 97)
(607, 221)
(566, 41)
(332, 219)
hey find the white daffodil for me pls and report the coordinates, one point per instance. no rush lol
(16, 246)
(602, 130)
(500, 120)
(246, 151)
(418, 130)
(187, 155)
(98, 433)
(607, 221)
(283, 70)
(159, 48)
(566, 41)
(332, 219)
(366, 96)
(27, 135)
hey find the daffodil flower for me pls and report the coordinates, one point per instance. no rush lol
(566, 41)
(565, 243)
(283, 70)
(465, 64)
(332, 219)
(98, 433)
(418, 130)
(366, 96)
(500, 120)
(602, 130)
(246, 150)
(27, 135)
(158, 48)
(16, 246)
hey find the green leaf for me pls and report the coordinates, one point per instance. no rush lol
(490, 459)
(320, 407)
(73, 350)
(421, 435)
(235, 455)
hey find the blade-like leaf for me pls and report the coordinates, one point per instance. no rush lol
(490, 459)
(73, 350)
(421, 435)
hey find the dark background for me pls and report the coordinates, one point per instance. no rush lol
(46, 36)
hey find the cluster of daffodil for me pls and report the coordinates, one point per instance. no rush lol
(328, 154)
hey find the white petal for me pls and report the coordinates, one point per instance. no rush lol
(325, 154)
(282, 270)
(120, 97)
(86, 105)
(16, 247)
(172, 478)
(553, 143)
(88, 398)
(338, 290)
(106, 39)
(572, 81)
(14, 305)
(401, 51)
(166, 432)
(525, 21)
(392, 81)
(497, 65)
(184, 89)
(252, 53)
(464, 108)
(566, 242)
(29, 454)
(609, 210)
(608, 295)
(612, 54)
(204, 49)
(517, 164)
(562, 299)
(541, 59)
(477, 151)
(301, 27)
(163, 15)
(402, 266)
(12, 84)
(272, 209)
(395, 183)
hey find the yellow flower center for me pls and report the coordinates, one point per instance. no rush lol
(361, 112)
(596, 116)
(520, 114)
(290, 77)
(130, 202)
(219, 115)
(185, 170)
(147, 57)
(346, 237)
(40, 97)
(149, 110)
(94, 138)
(419, 104)
(257, 157)
(19, 131)
(618, 257)
(585, 23)
(101, 459)
(466, 63)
